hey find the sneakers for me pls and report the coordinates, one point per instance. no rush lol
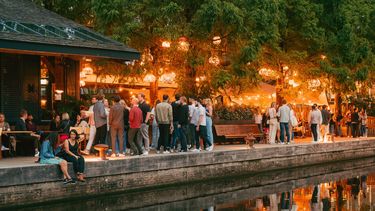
(36, 154)
(210, 148)
(113, 155)
(145, 153)
(4, 148)
(158, 152)
(69, 181)
(166, 152)
(121, 155)
(196, 150)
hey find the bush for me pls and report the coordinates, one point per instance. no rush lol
(234, 113)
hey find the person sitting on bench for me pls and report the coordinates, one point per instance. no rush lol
(5, 138)
(21, 126)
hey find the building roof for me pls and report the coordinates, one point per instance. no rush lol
(29, 27)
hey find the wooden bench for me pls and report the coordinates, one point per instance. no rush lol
(238, 131)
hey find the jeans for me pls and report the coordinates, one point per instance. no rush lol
(284, 128)
(349, 129)
(210, 135)
(363, 130)
(117, 137)
(91, 137)
(339, 130)
(183, 137)
(132, 136)
(354, 129)
(164, 136)
(101, 133)
(124, 141)
(203, 134)
(175, 135)
(314, 131)
(155, 136)
(142, 138)
(193, 134)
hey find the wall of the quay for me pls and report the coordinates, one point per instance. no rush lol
(42, 183)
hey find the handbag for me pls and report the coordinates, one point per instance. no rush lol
(294, 121)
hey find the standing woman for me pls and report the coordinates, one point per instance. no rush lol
(155, 127)
(126, 124)
(209, 114)
(363, 121)
(72, 154)
(106, 109)
(348, 118)
(47, 156)
(273, 123)
(258, 119)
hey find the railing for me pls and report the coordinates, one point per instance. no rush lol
(371, 126)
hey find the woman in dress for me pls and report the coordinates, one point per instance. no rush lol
(47, 156)
(273, 122)
(72, 154)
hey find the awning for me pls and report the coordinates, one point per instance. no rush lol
(41, 31)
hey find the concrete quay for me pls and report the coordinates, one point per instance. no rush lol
(34, 183)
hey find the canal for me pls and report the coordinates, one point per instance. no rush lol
(345, 185)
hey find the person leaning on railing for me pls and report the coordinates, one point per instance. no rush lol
(47, 156)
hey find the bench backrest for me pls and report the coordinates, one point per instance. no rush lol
(223, 130)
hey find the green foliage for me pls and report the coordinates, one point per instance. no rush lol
(234, 113)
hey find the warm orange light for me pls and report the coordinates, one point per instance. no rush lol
(149, 78)
(323, 57)
(216, 40)
(166, 44)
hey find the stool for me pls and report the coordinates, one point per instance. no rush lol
(101, 148)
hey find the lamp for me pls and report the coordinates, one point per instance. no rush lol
(214, 60)
(183, 44)
(149, 78)
(166, 44)
(216, 40)
(88, 70)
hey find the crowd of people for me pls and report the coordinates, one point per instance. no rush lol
(282, 122)
(176, 126)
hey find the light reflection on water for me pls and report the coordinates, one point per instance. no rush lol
(348, 194)
(346, 186)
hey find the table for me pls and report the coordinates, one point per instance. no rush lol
(10, 132)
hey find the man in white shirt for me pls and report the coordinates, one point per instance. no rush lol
(284, 115)
(315, 120)
(201, 128)
(193, 122)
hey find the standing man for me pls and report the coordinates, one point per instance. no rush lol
(164, 117)
(116, 125)
(175, 106)
(284, 115)
(326, 117)
(92, 127)
(142, 137)
(193, 121)
(202, 129)
(315, 119)
(355, 121)
(100, 118)
(135, 122)
(183, 123)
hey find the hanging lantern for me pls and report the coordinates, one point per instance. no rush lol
(216, 40)
(82, 83)
(323, 57)
(314, 83)
(183, 44)
(166, 44)
(149, 78)
(88, 70)
(267, 72)
(293, 83)
(167, 77)
(214, 60)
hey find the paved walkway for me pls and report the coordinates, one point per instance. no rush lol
(30, 161)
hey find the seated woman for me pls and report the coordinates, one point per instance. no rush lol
(47, 156)
(81, 122)
(65, 123)
(72, 154)
(55, 123)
